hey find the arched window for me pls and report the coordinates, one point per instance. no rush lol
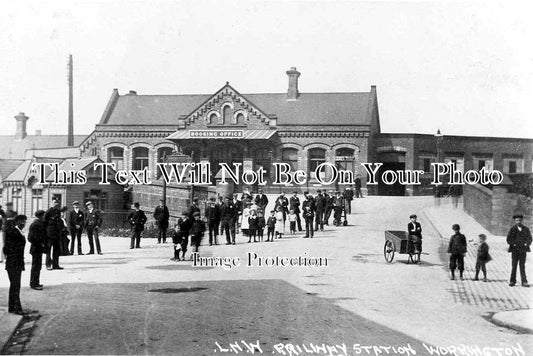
(213, 118)
(290, 156)
(317, 156)
(140, 158)
(162, 155)
(116, 155)
(345, 159)
(239, 119)
(226, 114)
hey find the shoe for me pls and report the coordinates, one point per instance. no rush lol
(58, 267)
(525, 284)
(80, 254)
(91, 253)
(512, 284)
(305, 237)
(210, 244)
(462, 278)
(452, 278)
(49, 268)
(475, 279)
(100, 253)
(17, 311)
(36, 287)
(484, 279)
(137, 246)
(131, 248)
(158, 242)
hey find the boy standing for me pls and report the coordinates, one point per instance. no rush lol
(457, 250)
(137, 220)
(482, 257)
(197, 233)
(271, 225)
(308, 217)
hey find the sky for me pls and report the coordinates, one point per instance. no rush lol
(465, 68)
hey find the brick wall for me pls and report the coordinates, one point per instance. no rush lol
(494, 209)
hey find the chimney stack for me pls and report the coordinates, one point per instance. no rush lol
(20, 134)
(292, 93)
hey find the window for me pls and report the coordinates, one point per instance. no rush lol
(262, 158)
(16, 198)
(226, 114)
(36, 199)
(116, 155)
(317, 156)
(162, 155)
(458, 162)
(239, 119)
(345, 159)
(480, 162)
(97, 197)
(290, 156)
(424, 162)
(513, 165)
(213, 118)
(140, 158)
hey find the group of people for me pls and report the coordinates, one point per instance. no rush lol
(48, 234)
(226, 215)
(519, 240)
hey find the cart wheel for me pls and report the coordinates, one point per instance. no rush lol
(345, 223)
(414, 257)
(388, 251)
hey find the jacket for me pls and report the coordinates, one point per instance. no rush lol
(37, 237)
(519, 241)
(414, 229)
(483, 252)
(76, 219)
(457, 245)
(14, 249)
(294, 203)
(93, 220)
(137, 219)
(54, 224)
(161, 216)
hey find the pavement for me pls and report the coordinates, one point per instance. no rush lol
(124, 298)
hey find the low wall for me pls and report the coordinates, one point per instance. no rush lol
(494, 209)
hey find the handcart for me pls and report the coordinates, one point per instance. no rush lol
(398, 242)
(337, 222)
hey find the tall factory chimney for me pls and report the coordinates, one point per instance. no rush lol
(70, 140)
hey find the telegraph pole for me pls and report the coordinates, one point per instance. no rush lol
(70, 140)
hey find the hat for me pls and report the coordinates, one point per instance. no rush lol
(65, 208)
(88, 203)
(185, 213)
(39, 213)
(75, 202)
(9, 203)
(318, 191)
(212, 199)
(456, 227)
(412, 216)
(483, 236)
(136, 204)
(196, 213)
(518, 216)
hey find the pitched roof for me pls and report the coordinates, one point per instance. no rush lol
(10, 147)
(308, 109)
(75, 164)
(19, 174)
(7, 166)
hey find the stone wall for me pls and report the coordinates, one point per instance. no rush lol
(494, 209)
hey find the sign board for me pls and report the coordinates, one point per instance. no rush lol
(224, 134)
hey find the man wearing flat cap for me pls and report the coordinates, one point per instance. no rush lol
(7, 223)
(137, 219)
(54, 227)
(37, 238)
(93, 222)
(76, 219)
(519, 240)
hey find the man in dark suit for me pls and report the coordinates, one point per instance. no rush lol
(161, 216)
(93, 222)
(14, 251)
(294, 205)
(212, 214)
(137, 220)
(193, 208)
(348, 196)
(329, 206)
(228, 219)
(7, 223)
(54, 228)
(519, 240)
(261, 200)
(76, 220)
(414, 231)
(37, 238)
(320, 209)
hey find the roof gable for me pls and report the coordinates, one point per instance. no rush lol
(212, 110)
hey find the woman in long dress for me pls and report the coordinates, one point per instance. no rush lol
(280, 223)
(244, 223)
